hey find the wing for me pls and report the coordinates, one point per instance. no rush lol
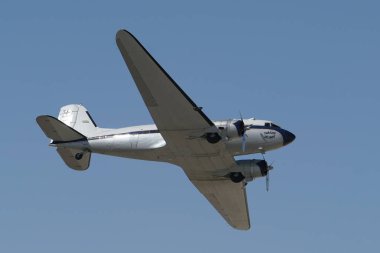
(170, 107)
(181, 122)
(229, 199)
(206, 166)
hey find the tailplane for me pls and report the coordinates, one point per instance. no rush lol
(74, 158)
(57, 130)
(61, 133)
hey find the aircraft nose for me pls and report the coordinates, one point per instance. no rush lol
(288, 137)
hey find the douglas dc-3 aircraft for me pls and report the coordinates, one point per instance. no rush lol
(182, 135)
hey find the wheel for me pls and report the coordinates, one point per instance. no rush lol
(236, 177)
(78, 156)
(213, 137)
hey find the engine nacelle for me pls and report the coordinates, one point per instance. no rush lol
(232, 128)
(249, 169)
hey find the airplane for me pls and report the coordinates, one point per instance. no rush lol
(182, 135)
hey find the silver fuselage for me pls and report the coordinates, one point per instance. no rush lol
(146, 143)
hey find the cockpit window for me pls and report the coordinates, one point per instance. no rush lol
(269, 124)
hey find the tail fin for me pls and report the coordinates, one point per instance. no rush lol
(77, 117)
(59, 132)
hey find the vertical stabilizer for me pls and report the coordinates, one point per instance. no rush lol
(77, 117)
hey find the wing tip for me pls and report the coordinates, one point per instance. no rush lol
(123, 32)
(243, 226)
(41, 118)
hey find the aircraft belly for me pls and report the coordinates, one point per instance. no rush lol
(136, 146)
(150, 155)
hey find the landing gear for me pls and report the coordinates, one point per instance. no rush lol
(213, 137)
(78, 156)
(236, 177)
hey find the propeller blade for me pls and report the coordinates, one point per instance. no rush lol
(241, 116)
(270, 167)
(243, 142)
(241, 128)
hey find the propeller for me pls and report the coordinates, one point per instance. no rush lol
(241, 128)
(244, 140)
(269, 167)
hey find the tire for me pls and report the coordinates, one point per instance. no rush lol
(213, 138)
(78, 156)
(236, 177)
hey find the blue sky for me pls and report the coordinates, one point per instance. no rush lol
(310, 66)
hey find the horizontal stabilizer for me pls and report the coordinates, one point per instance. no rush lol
(57, 130)
(75, 159)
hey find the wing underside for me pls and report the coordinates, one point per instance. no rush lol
(170, 107)
(229, 199)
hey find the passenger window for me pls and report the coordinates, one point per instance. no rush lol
(267, 124)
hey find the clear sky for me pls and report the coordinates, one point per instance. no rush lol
(310, 66)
